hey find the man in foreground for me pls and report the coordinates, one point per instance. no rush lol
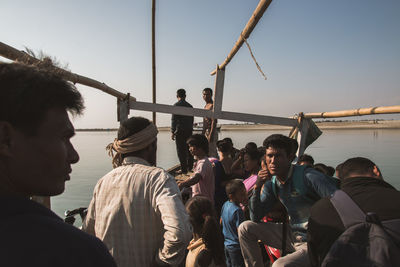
(298, 188)
(35, 159)
(137, 208)
(181, 130)
(364, 184)
(210, 125)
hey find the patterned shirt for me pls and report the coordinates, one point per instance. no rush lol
(138, 212)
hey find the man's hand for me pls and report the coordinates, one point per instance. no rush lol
(263, 175)
(172, 136)
(181, 184)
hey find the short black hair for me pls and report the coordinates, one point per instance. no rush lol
(27, 93)
(357, 166)
(223, 146)
(254, 154)
(234, 186)
(322, 168)
(198, 140)
(306, 158)
(250, 146)
(282, 142)
(181, 93)
(208, 90)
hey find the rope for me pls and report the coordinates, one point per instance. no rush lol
(252, 55)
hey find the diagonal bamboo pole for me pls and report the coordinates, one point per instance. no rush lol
(245, 34)
(355, 112)
(11, 53)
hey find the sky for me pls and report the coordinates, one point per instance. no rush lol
(318, 55)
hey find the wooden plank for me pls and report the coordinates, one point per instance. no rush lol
(225, 115)
(162, 108)
(355, 112)
(251, 24)
(219, 91)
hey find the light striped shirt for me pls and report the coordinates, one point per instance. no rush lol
(138, 212)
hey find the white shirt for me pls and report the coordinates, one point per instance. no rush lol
(138, 212)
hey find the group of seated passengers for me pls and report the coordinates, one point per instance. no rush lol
(236, 172)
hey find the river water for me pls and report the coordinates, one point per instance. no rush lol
(331, 148)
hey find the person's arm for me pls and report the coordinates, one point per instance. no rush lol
(178, 231)
(261, 201)
(90, 219)
(173, 126)
(212, 129)
(190, 181)
(237, 168)
(321, 184)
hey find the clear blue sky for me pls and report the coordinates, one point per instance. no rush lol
(318, 55)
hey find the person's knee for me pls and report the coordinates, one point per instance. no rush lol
(243, 230)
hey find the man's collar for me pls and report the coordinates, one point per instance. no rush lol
(134, 160)
(289, 175)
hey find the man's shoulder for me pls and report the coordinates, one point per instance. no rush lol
(63, 243)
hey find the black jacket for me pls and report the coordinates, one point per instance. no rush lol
(325, 225)
(32, 235)
(180, 123)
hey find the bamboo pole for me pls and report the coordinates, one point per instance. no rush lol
(11, 53)
(153, 52)
(245, 34)
(355, 112)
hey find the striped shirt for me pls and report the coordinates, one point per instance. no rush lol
(138, 212)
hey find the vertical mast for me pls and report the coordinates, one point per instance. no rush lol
(153, 52)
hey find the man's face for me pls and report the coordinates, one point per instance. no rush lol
(278, 161)
(207, 96)
(195, 151)
(41, 164)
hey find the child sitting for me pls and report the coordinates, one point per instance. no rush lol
(231, 217)
(203, 181)
(206, 247)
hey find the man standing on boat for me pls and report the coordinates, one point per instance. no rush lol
(36, 155)
(297, 188)
(137, 208)
(210, 125)
(181, 130)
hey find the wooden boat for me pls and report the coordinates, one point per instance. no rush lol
(126, 102)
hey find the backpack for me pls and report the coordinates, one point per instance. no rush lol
(367, 241)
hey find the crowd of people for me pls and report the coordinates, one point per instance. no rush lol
(244, 203)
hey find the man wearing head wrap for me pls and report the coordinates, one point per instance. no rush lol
(137, 208)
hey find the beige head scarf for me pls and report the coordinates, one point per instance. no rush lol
(132, 143)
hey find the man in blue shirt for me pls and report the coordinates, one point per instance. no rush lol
(297, 188)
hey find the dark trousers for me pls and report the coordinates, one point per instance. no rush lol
(184, 156)
(234, 257)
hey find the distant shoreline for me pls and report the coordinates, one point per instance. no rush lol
(323, 125)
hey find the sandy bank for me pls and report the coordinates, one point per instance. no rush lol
(389, 124)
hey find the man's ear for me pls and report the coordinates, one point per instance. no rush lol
(377, 172)
(6, 137)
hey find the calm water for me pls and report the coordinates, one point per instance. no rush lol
(332, 148)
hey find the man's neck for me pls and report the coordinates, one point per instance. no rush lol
(285, 176)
